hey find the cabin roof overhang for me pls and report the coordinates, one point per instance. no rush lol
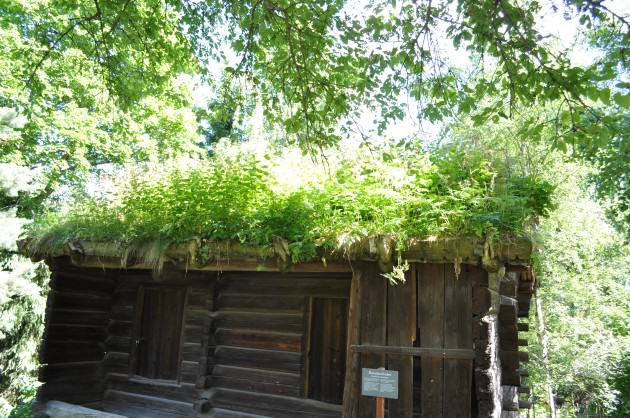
(226, 256)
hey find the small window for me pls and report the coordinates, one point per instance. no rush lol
(158, 332)
(327, 354)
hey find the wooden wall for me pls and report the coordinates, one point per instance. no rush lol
(77, 312)
(260, 344)
(422, 318)
(131, 395)
(260, 326)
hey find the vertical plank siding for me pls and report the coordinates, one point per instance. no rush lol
(401, 331)
(431, 331)
(457, 334)
(373, 324)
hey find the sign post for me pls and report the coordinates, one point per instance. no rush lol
(381, 384)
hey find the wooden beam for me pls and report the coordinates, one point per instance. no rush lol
(234, 256)
(454, 353)
(351, 387)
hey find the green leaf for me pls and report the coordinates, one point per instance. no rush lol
(622, 100)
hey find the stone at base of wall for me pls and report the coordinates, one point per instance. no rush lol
(58, 409)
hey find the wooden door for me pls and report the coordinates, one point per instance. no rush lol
(159, 332)
(327, 363)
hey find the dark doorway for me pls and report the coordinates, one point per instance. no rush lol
(327, 363)
(159, 332)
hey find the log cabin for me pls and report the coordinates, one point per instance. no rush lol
(241, 333)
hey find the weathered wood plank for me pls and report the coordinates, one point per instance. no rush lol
(328, 350)
(259, 375)
(65, 372)
(264, 359)
(254, 338)
(183, 392)
(253, 302)
(79, 316)
(272, 405)
(457, 335)
(351, 384)
(76, 332)
(373, 323)
(82, 300)
(454, 353)
(431, 332)
(401, 330)
(69, 351)
(262, 321)
(155, 403)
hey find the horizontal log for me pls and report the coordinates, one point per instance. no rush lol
(70, 371)
(69, 351)
(125, 296)
(81, 300)
(522, 327)
(117, 343)
(202, 300)
(264, 359)
(79, 316)
(192, 351)
(272, 405)
(75, 332)
(455, 353)
(515, 406)
(85, 280)
(284, 341)
(265, 285)
(198, 317)
(510, 378)
(511, 359)
(258, 375)
(195, 333)
(255, 386)
(227, 255)
(123, 312)
(96, 395)
(116, 362)
(149, 402)
(255, 303)
(121, 328)
(524, 389)
(269, 321)
(86, 385)
(183, 392)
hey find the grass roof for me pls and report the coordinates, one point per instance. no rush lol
(238, 196)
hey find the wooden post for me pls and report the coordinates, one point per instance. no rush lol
(380, 407)
(351, 388)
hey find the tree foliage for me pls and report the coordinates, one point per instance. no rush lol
(315, 64)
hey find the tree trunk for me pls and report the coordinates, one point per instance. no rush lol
(542, 333)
